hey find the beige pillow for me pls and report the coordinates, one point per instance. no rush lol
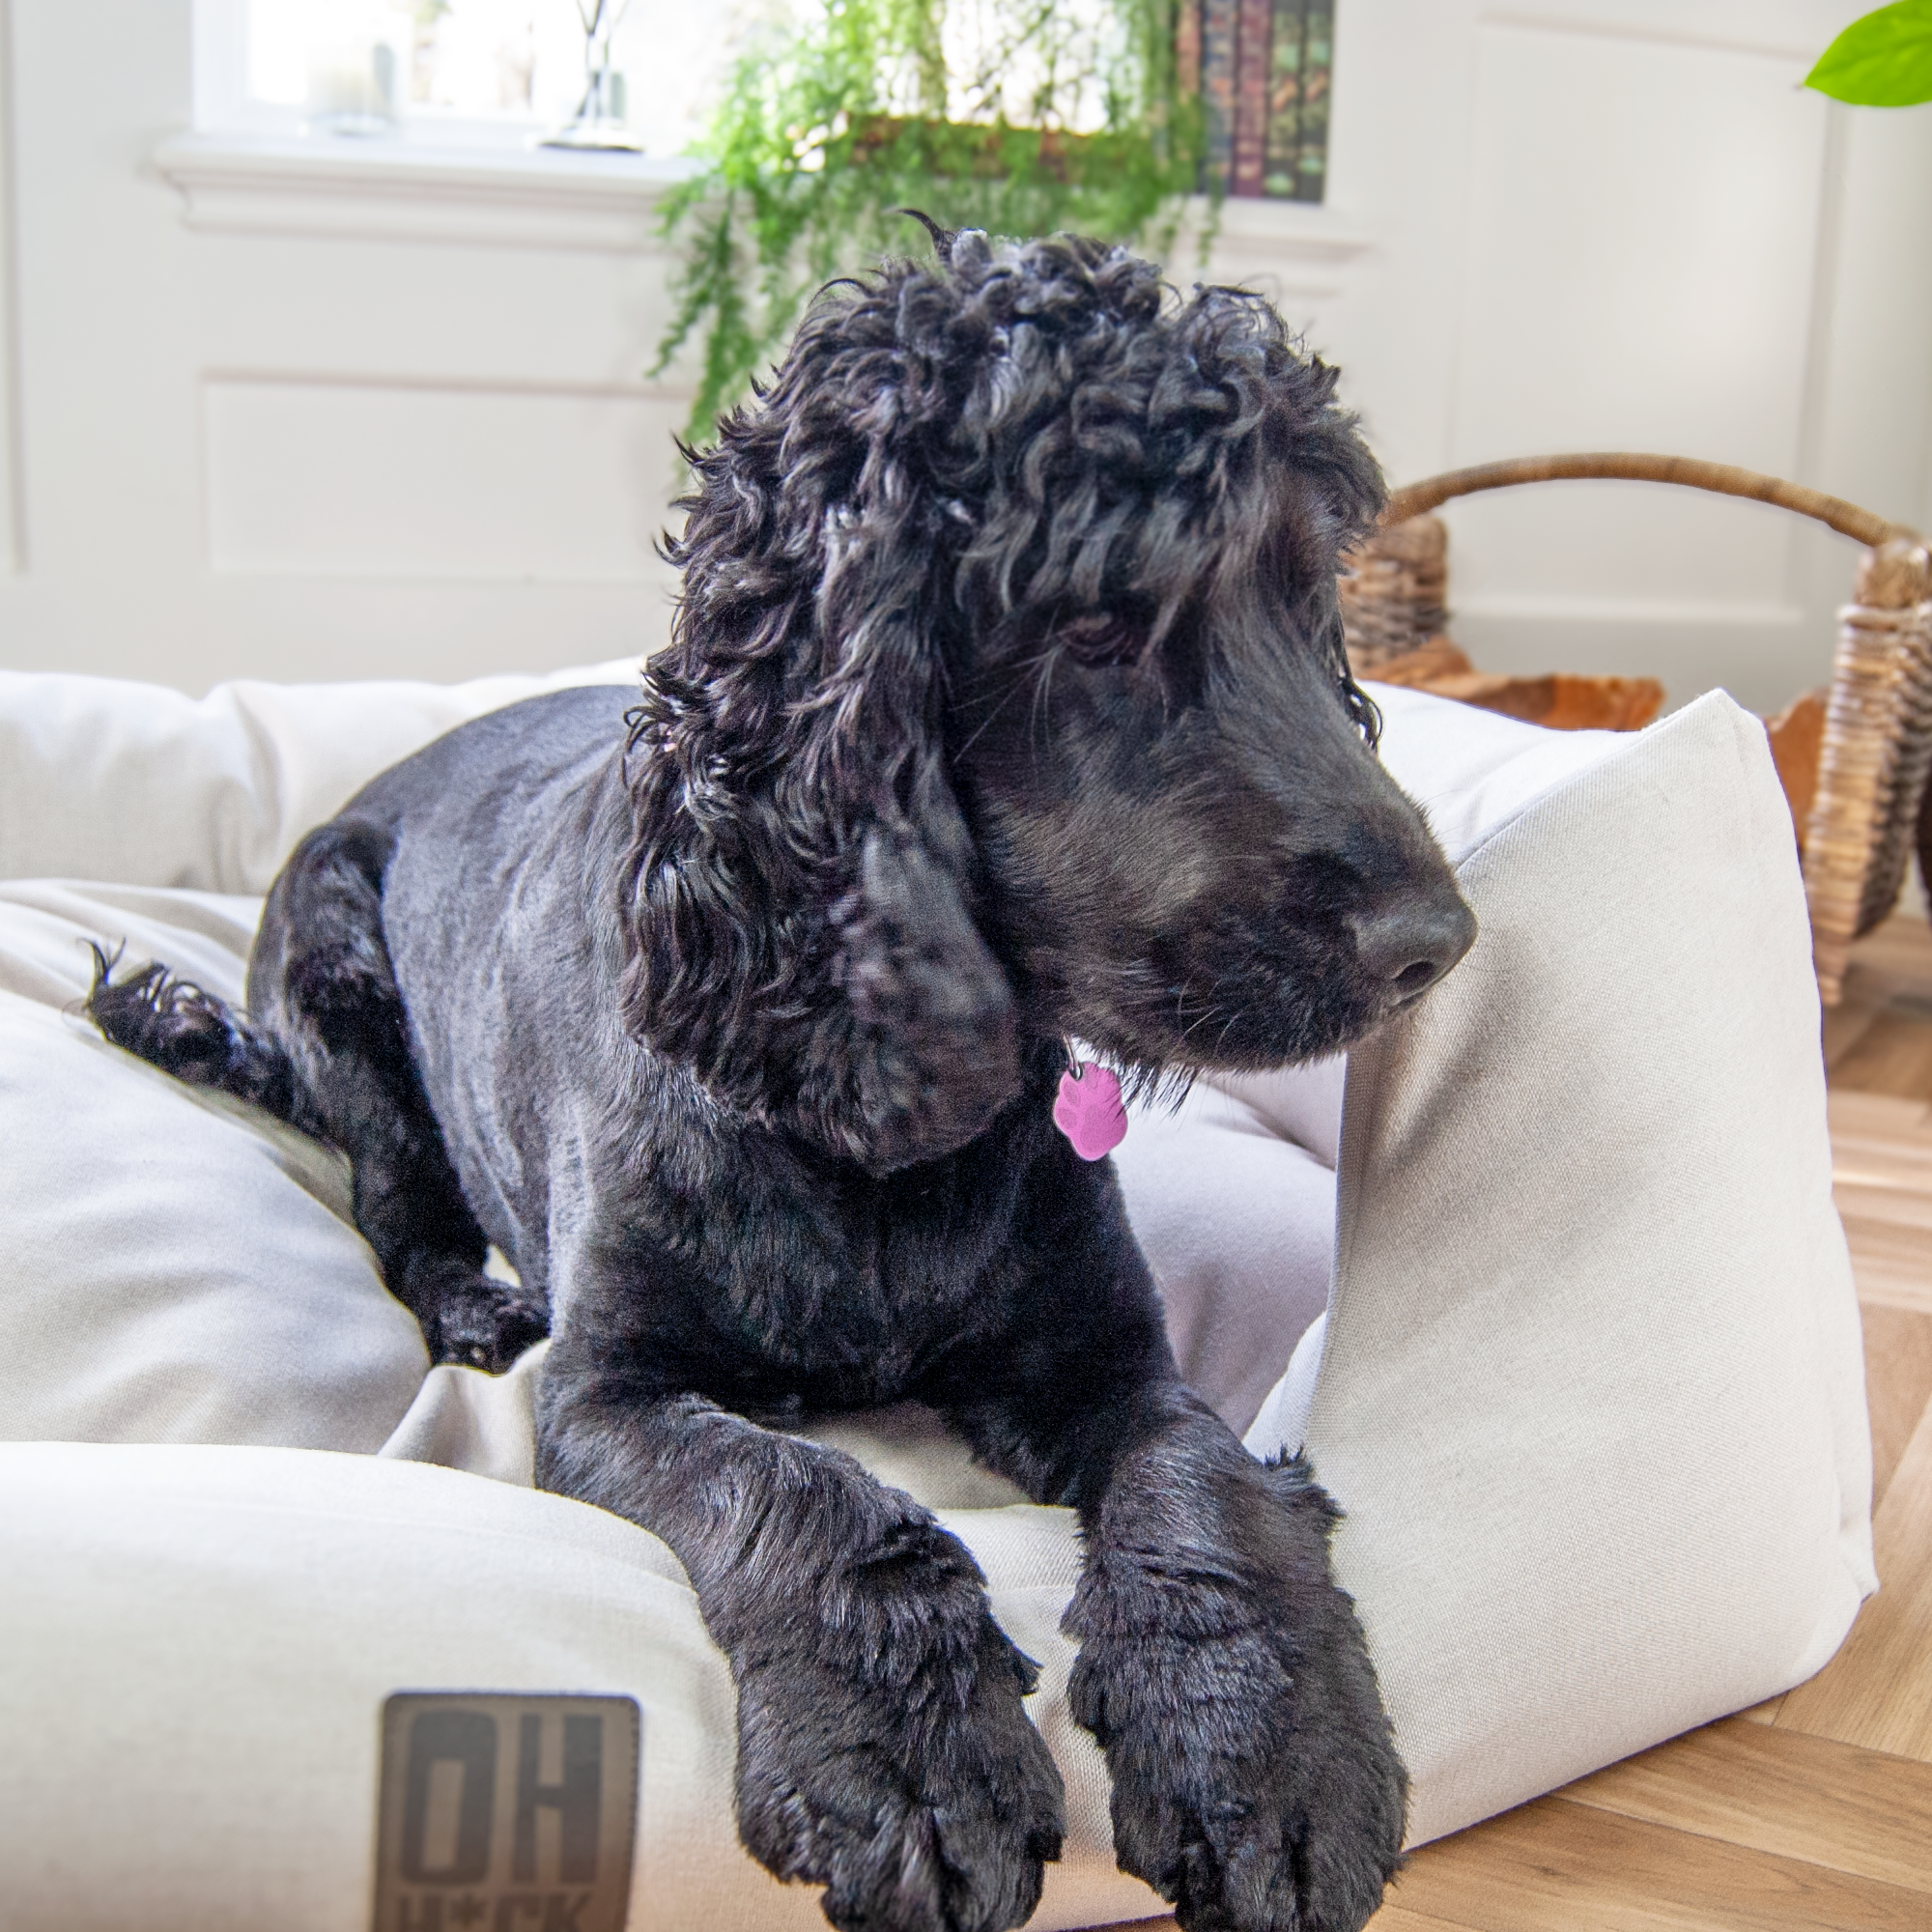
(1593, 1393)
(104, 779)
(177, 1266)
(196, 1644)
(1232, 1197)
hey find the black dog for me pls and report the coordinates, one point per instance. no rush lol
(1007, 703)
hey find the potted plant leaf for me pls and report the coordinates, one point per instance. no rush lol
(1881, 60)
(1047, 116)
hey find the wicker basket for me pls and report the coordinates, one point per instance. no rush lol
(1394, 596)
(1871, 796)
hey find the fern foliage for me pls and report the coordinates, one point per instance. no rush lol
(1021, 117)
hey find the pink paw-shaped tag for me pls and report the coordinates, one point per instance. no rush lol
(1088, 1111)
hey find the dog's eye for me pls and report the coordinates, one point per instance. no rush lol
(1102, 637)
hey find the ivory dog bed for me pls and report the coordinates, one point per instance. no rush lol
(1587, 1383)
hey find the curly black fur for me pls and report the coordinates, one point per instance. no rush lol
(1007, 702)
(965, 488)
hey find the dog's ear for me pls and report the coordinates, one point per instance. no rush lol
(802, 934)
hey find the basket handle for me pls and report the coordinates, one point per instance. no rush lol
(1847, 519)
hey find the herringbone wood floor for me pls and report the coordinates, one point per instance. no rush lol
(1813, 1811)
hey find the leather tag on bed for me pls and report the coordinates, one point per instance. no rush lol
(506, 1811)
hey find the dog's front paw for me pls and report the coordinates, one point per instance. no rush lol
(1256, 1786)
(932, 1808)
(1256, 1781)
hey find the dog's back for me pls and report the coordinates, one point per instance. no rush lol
(504, 838)
(420, 966)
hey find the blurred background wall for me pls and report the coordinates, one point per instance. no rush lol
(305, 408)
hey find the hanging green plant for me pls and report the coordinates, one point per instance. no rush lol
(1053, 114)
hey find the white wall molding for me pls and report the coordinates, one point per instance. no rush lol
(454, 482)
(548, 198)
(390, 191)
(1297, 254)
(1608, 27)
(1272, 235)
(677, 393)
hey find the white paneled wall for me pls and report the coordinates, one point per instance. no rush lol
(309, 421)
(458, 482)
(1624, 225)
(312, 410)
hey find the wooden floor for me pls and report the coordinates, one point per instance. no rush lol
(1814, 1810)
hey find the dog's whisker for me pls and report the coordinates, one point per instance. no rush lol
(1041, 713)
(1211, 1013)
(986, 723)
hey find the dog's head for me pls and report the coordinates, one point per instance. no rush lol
(1006, 700)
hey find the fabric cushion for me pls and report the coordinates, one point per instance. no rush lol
(179, 1267)
(1232, 1197)
(1588, 1391)
(199, 1642)
(103, 778)
(1592, 1390)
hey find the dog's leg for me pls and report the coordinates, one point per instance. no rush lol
(883, 1750)
(1256, 1781)
(321, 984)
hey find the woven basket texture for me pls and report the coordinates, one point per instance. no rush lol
(1870, 803)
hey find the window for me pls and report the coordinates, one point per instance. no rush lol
(475, 73)
(506, 74)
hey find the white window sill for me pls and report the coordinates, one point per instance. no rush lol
(554, 198)
(396, 191)
(1282, 231)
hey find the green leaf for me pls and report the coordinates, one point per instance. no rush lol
(1884, 60)
(832, 124)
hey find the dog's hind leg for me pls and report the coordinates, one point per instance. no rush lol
(324, 1046)
(321, 984)
(173, 1024)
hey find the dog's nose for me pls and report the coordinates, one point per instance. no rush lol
(1410, 945)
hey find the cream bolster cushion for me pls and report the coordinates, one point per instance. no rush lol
(101, 779)
(196, 1644)
(1590, 1390)
(177, 1266)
